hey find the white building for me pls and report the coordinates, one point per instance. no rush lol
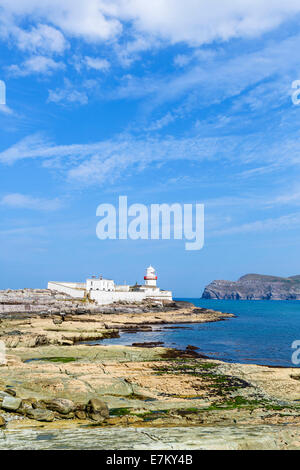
(105, 291)
(100, 284)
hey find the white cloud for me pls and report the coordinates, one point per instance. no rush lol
(214, 81)
(192, 21)
(181, 60)
(202, 22)
(31, 231)
(97, 63)
(74, 18)
(129, 51)
(290, 198)
(39, 39)
(163, 122)
(42, 38)
(272, 224)
(129, 27)
(106, 160)
(29, 147)
(21, 201)
(35, 65)
(68, 94)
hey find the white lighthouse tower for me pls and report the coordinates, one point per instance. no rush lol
(150, 278)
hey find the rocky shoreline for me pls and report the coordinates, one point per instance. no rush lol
(52, 380)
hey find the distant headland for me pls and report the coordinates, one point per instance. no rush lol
(255, 287)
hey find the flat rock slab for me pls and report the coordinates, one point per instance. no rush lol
(89, 353)
(199, 438)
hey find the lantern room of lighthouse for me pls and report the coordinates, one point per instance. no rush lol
(151, 277)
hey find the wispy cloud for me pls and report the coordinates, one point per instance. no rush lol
(35, 65)
(22, 231)
(21, 201)
(97, 63)
(285, 222)
(229, 76)
(107, 160)
(68, 94)
(290, 198)
(32, 146)
(162, 122)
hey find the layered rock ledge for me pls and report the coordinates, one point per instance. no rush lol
(67, 387)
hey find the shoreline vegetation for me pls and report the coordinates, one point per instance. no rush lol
(54, 380)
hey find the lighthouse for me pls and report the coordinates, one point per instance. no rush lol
(106, 292)
(150, 278)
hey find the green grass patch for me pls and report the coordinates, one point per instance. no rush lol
(62, 360)
(120, 412)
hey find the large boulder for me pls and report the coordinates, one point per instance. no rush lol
(97, 410)
(40, 414)
(60, 405)
(11, 403)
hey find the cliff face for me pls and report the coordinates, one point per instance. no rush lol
(255, 287)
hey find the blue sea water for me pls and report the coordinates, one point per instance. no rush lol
(262, 333)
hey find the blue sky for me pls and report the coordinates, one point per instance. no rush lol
(166, 102)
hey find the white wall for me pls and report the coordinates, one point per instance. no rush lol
(157, 293)
(69, 288)
(161, 295)
(122, 288)
(105, 298)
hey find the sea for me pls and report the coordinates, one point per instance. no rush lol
(263, 333)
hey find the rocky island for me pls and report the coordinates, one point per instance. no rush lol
(255, 287)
